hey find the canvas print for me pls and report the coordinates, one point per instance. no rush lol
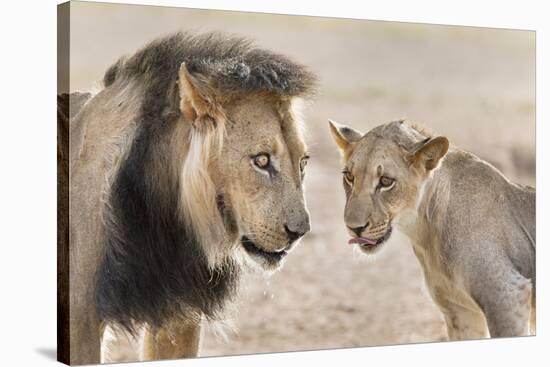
(236, 183)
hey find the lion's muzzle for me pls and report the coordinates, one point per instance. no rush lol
(295, 233)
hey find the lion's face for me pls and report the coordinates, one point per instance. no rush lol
(382, 179)
(259, 176)
(243, 172)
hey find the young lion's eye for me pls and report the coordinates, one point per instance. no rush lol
(262, 160)
(348, 177)
(386, 182)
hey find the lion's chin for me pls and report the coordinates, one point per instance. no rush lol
(265, 260)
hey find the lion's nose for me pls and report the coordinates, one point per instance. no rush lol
(358, 230)
(294, 234)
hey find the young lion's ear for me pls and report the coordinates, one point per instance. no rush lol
(344, 136)
(196, 108)
(430, 153)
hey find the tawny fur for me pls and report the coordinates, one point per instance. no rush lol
(211, 103)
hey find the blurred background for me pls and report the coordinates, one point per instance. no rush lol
(474, 85)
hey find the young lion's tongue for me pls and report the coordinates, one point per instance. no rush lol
(362, 241)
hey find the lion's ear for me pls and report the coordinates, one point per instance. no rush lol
(429, 154)
(344, 136)
(193, 103)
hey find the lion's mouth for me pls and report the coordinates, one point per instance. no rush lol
(254, 250)
(371, 243)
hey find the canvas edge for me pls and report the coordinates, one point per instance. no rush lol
(63, 113)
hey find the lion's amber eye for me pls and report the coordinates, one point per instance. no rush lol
(348, 177)
(262, 160)
(386, 181)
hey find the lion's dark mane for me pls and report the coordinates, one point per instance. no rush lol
(153, 269)
(236, 65)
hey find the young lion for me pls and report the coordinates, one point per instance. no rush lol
(472, 230)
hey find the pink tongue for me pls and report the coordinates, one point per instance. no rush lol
(362, 241)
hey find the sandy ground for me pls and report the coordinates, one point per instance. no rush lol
(476, 86)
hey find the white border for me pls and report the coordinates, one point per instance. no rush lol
(28, 183)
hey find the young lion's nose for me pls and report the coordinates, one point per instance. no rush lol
(358, 230)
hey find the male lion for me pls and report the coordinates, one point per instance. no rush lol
(187, 166)
(472, 230)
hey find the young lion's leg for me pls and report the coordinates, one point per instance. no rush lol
(464, 323)
(176, 341)
(507, 306)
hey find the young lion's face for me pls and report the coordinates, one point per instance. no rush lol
(383, 175)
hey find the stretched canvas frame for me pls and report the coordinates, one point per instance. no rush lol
(369, 95)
